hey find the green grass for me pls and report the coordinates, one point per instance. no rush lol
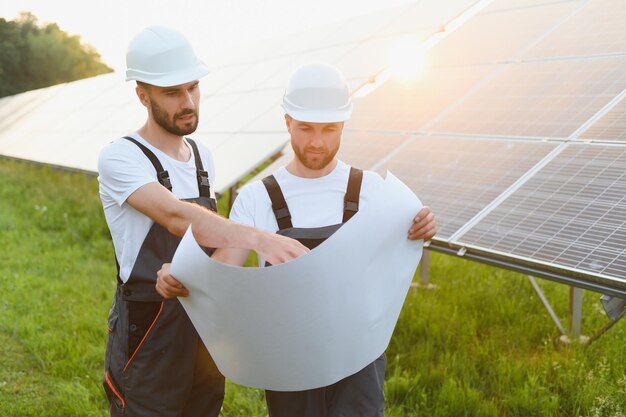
(479, 345)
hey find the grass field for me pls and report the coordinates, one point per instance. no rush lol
(479, 345)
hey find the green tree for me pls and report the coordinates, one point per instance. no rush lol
(35, 56)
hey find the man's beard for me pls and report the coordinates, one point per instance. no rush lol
(314, 162)
(162, 118)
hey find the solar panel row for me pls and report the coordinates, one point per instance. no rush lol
(488, 134)
(467, 130)
(240, 96)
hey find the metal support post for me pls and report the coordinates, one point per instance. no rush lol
(424, 281)
(575, 318)
(424, 268)
(575, 311)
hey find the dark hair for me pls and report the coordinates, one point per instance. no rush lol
(144, 85)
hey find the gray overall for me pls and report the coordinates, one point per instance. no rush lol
(155, 362)
(358, 395)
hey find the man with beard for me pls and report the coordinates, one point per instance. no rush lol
(308, 200)
(154, 183)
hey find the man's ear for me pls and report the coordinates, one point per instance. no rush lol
(143, 95)
(288, 120)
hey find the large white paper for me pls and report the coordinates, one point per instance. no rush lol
(314, 320)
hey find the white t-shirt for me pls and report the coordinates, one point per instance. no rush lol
(123, 168)
(312, 202)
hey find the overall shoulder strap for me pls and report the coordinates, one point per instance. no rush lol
(203, 177)
(162, 175)
(279, 205)
(353, 191)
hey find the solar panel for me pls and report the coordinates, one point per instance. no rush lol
(254, 75)
(360, 28)
(246, 53)
(44, 149)
(410, 25)
(307, 41)
(539, 99)
(97, 112)
(425, 15)
(571, 214)
(213, 106)
(283, 159)
(458, 177)
(235, 157)
(328, 54)
(65, 102)
(13, 108)
(500, 35)
(364, 149)
(500, 5)
(73, 116)
(273, 120)
(121, 112)
(611, 126)
(211, 140)
(597, 28)
(238, 111)
(221, 77)
(371, 56)
(268, 49)
(409, 104)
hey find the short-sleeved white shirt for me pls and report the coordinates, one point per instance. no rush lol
(312, 202)
(123, 168)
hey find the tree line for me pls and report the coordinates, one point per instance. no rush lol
(34, 56)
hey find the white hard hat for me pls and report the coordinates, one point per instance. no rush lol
(163, 57)
(317, 93)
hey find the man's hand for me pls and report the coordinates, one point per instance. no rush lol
(167, 286)
(424, 225)
(277, 249)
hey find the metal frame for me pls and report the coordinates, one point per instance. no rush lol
(613, 299)
(554, 273)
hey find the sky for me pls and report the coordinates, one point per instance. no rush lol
(211, 25)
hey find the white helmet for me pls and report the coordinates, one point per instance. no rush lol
(317, 93)
(163, 57)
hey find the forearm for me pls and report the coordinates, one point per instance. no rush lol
(209, 229)
(236, 240)
(231, 256)
(212, 230)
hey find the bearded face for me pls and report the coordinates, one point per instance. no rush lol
(315, 157)
(180, 123)
(315, 145)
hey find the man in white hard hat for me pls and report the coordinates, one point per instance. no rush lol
(154, 183)
(309, 199)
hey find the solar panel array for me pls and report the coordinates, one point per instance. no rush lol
(514, 132)
(516, 137)
(240, 117)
